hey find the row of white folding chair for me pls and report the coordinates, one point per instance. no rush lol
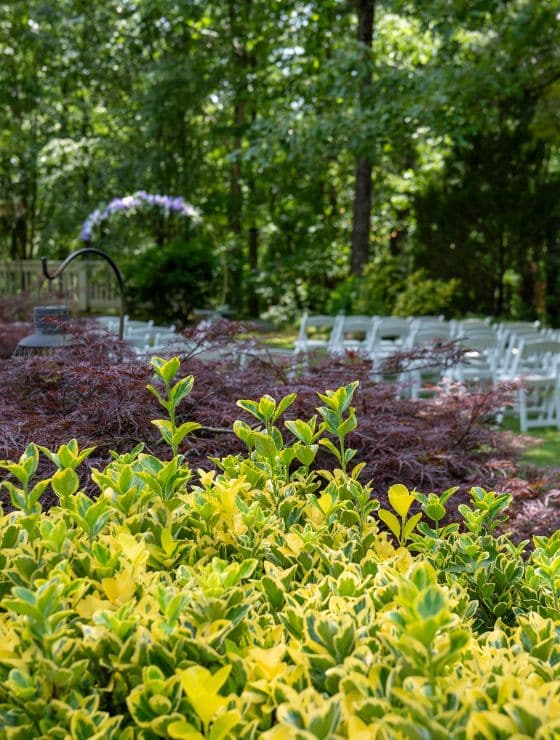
(369, 334)
(375, 333)
(550, 333)
(535, 364)
(506, 352)
(491, 356)
(515, 352)
(536, 367)
(379, 336)
(488, 352)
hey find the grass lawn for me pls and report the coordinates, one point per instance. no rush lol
(546, 450)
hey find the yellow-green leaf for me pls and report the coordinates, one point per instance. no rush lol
(400, 499)
(119, 589)
(184, 731)
(411, 523)
(391, 521)
(201, 688)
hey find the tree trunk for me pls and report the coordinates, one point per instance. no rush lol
(242, 62)
(553, 271)
(361, 216)
(362, 192)
(235, 202)
(253, 298)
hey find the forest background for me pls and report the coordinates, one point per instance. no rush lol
(372, 157)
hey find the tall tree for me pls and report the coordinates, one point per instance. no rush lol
(362, 193)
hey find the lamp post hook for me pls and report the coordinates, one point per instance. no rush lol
(101, 253)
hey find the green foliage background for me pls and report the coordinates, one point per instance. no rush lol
(251, 111)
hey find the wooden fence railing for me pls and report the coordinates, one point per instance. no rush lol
(88, 284)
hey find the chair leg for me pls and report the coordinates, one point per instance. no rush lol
(557, 405)
(522, 409)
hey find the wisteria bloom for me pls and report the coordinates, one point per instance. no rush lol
(169, 203)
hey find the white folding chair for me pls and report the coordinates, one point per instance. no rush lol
(139, 340)
(536, 366)
(388, 335)
(351, 333)
(422, 378)
(481, 357)
(162, 336)
(314, 332)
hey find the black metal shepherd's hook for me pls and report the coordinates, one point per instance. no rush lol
(101, 253)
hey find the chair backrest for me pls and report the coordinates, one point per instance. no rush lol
(422, 336)
(482, 354)
(318, 325)
(388, 333)
(476, 321)
(535, 356)
(139, 340)
(518, 325)
(470, 326)
(427, 322)
(510, 344)
(429, 318)
(137, 324)
(479, 341)
(351, 332)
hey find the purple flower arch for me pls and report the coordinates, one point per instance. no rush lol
(137, 200)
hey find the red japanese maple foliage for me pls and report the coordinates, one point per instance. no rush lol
(15, 322)
(95, 391)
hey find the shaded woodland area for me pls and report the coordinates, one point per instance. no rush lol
(378, 157)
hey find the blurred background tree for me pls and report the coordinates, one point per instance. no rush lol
(259, 114)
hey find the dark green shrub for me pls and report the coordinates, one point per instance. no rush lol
(166, 283)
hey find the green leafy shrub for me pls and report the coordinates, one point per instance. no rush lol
(168, 282)
(425, 295)
(263, 599)
(377, 290)
(386, 288)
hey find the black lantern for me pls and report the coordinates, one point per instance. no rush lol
(49, 324)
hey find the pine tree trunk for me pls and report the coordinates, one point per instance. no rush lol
(363, 188)
(361, 216)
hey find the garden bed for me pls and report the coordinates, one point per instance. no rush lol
(263, 599)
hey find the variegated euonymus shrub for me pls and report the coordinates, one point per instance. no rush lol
(263, 599)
